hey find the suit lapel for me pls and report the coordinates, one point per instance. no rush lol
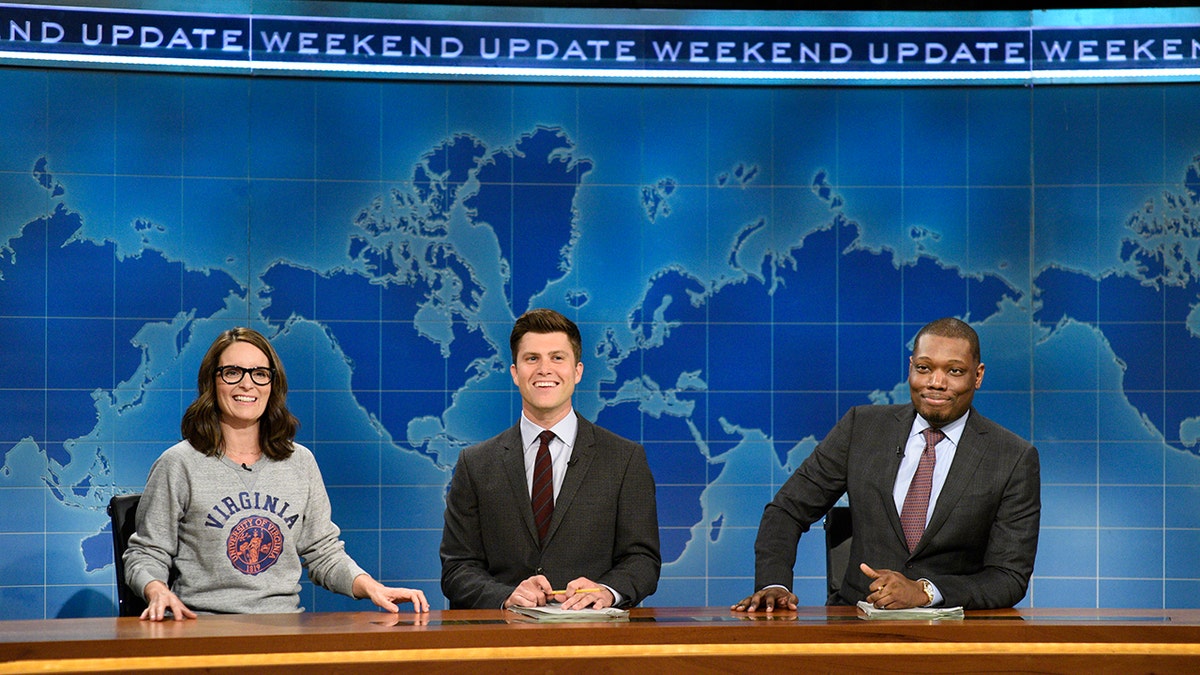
(513, 457)
(582, 454)
(893, 453)
(972, 446)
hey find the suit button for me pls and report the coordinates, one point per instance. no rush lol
(908, 565)
(539, 571)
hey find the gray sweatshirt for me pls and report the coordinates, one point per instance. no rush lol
(237, 534)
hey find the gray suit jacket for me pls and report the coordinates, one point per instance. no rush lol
(981, 540)
(605, 524)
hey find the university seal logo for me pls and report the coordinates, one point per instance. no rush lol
(254, 544)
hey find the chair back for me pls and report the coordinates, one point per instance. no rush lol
(122, 509)
(838, 535)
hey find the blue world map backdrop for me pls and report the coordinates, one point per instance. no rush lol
(745, 264)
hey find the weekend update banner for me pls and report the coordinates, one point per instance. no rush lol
(74, 36)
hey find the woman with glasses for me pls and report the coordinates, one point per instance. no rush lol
(231, 513)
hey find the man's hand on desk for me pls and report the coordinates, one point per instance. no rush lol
(768, 599)
(160, 599)
(583, 593)
(533, 592)
(892, 590)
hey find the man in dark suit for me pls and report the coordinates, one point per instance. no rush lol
(980, 506)
(506, 540)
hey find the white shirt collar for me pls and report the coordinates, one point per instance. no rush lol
(565, 430)
(953, 430)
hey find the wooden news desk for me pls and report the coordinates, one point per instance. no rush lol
(672, 640)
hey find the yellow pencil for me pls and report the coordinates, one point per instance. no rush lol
(578, 590)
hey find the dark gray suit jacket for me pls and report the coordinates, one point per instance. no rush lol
(605, 524)
(982, 537)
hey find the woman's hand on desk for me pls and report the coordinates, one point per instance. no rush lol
(386, 597)
(160, 600)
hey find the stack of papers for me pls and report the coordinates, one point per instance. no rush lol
(925, 613)
(557, 613)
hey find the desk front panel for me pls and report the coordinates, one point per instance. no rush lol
(652, 640)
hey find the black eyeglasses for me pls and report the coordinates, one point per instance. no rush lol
(234, 374)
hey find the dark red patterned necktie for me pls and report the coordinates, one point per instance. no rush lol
(542, 495)
(916, 503)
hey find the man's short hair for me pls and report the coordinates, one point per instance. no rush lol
(950, 327)
(545, 321)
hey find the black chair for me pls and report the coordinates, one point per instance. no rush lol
(123, 511)
(838, 533)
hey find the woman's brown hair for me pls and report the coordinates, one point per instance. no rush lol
(201, 424)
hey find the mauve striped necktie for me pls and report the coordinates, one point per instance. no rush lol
(542, 495)
(916, 503)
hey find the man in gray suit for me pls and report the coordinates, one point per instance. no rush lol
(506, 540)
(979, 510)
